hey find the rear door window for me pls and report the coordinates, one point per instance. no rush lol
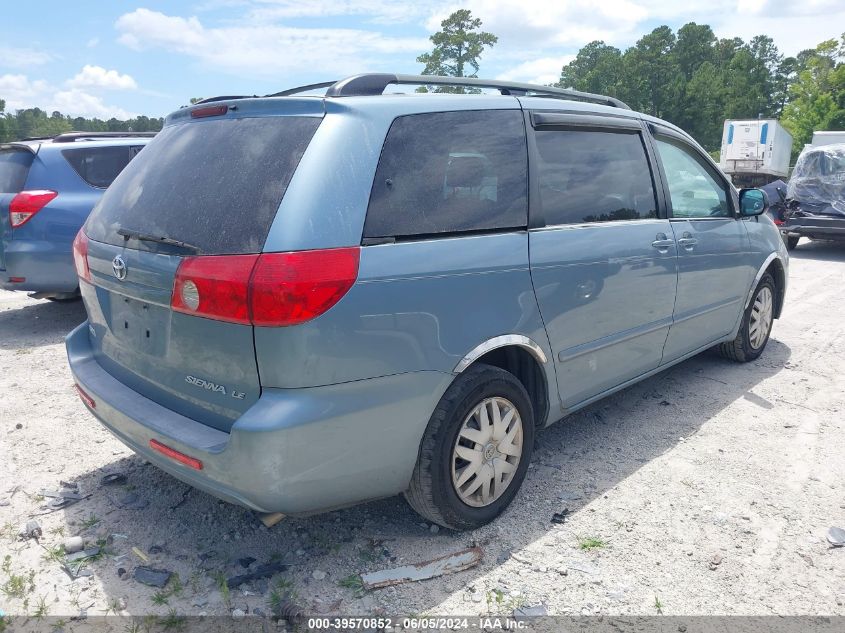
(593, 176)
(450, 172)
(98, 166)
(14, 169)
(214, 184)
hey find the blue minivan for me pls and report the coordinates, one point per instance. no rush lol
(48, 186)
(298, 303)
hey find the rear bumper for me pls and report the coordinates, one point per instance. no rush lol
(816, 227)
(45, 266)
(294, 451)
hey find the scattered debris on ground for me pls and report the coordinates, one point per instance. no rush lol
(152, 577)
(448, 564)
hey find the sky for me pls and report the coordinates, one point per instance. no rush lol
(120, 59)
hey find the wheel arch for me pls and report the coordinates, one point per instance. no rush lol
(523, 358)
(774, 266)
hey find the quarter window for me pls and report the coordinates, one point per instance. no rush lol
(449, 172)
(593, 176)
(99, 166)
(695, 192)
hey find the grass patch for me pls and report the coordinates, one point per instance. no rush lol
(503, 604)
(353, 582)
(173, 588)
(282, 592)
(41, 609)
(220, 578)
(19, 585)
(658, 606)
(90, 522)
(9, 531)
(591, 542)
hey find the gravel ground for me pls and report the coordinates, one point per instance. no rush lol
(707, 489)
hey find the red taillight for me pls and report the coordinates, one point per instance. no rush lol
(85, 397)
(172, 453)
(779, 222)
(26, 204)
(198, 113)
(291, 288)
(215, 286)
(273, 289)
(80, 256)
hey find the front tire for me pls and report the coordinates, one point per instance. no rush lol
(756, 324)
(475, 451)
(792, 242)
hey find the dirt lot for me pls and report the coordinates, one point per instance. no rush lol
(708, 489)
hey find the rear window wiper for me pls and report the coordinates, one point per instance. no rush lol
(160, 239)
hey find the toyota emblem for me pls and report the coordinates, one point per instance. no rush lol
(119, 267)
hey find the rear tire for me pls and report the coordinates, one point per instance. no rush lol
(448, 489)
(792, 242)
(756, 324)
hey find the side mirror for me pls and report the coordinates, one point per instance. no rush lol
(753, 202)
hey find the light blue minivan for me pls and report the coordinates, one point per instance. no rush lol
(298, 303)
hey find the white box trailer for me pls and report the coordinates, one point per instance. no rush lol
(755, 151)
(827, 138)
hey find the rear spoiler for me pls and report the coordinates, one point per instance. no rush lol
(26, 146)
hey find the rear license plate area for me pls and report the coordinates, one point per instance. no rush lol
(139, 325)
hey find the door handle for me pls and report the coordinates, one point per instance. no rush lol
(687, 241)
(662, 243)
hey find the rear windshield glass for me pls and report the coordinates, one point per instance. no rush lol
(99, 166)
(14, 168)
(450, 172)
(214, 184)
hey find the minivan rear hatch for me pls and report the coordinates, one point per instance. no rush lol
(206, 188)
(15, 161)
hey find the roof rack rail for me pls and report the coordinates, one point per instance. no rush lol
(70, 137)
(375, 84)
(299, 89)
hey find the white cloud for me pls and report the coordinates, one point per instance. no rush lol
(21, 92)
(376, 11)
(545, 70)
(94, 41)
(18, 90)
(540, 23)
(11, 57)
(77, 102)
(101, 78)
(265, 50)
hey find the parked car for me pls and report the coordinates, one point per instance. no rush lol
(48, 186)
(298, 303)
(816, 196)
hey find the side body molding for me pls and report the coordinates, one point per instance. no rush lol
(501, 341)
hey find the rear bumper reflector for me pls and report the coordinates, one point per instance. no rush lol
(190, 462)
(85, 397)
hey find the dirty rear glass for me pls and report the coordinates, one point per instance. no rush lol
(14, 168)
(214, 184)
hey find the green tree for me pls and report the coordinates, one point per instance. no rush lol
(654, 81)
(596, 68)
(817, 96)
(695, 46)
(457, 48)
